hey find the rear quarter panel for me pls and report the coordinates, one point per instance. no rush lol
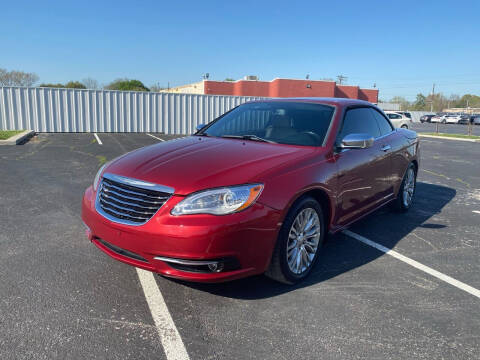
(405, 149)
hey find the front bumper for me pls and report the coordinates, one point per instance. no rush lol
(246, 239)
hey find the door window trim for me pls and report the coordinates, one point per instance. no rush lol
(388, 120)
(351, 107)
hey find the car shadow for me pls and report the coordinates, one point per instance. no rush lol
(341, 253)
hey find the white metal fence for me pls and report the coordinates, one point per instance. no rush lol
(389, 106)
(73, 110)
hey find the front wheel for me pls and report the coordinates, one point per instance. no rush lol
(404, 199)
(404, 126)
(298, 243)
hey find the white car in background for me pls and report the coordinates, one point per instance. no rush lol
(439, 118)
(452, 119)
(399, 120)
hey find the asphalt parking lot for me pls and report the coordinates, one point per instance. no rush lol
(63, 298)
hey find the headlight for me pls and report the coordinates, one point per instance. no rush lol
(97, 177)
(219, 201)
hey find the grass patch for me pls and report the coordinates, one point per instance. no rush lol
(6, 134)
(460, 136)
(101, 159)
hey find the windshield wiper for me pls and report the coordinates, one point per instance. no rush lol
(249, 137)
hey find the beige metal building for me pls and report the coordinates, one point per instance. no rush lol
(463, 110)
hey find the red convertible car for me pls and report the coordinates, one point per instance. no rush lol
(255, 191)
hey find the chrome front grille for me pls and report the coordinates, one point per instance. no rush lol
(129, 201)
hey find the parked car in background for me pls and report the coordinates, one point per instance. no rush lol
(255, 191)
(426, 118)
(439, 118)
(399, 120)
(452, 119)
(476, 119)
(465, 119)
(406, 113)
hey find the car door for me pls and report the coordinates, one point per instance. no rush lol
(362, 174)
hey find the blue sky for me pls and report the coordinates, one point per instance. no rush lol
(402, 46)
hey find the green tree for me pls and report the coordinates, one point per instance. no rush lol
(468, 100)
(68, 85)
(127, 85)
(229, 79)
(437, 102)
(419, 103)
(75, 85)
(51, 85)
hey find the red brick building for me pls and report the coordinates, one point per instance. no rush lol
(279, 88)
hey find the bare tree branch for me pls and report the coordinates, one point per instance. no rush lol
(17, 78)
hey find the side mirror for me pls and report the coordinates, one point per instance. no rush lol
(200, 127)
(357, 141)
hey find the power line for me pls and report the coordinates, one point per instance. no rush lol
(341, 79)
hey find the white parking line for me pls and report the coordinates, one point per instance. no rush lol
(170, 338)
(415, 264)
(155, 137)
(98, 139)
(446, 138)
(476, 211)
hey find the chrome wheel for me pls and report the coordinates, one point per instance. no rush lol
(409, 187)
(303, 239)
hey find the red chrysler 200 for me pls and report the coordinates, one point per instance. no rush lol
(255, 191)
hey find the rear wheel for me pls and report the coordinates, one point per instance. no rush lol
(404, 126)
(298, 243)
(407, 190)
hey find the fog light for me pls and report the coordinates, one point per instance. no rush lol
(215, 267)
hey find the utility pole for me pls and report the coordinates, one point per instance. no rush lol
(431, 106)
(341, 79)
(433, 95)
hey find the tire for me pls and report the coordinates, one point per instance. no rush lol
(404, 126)
(279, 268)
(444, 121)
(403, 202)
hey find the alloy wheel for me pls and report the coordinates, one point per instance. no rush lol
(409, 187)
(303, 240)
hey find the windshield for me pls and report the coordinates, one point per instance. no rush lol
(275, 122)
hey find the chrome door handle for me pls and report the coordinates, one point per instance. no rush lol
(386, 147)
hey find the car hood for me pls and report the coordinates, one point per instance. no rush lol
(195, 163)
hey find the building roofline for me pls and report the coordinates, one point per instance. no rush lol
(280, 78)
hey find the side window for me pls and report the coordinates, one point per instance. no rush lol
(359, 121)
(383, 124)
(394, 116)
